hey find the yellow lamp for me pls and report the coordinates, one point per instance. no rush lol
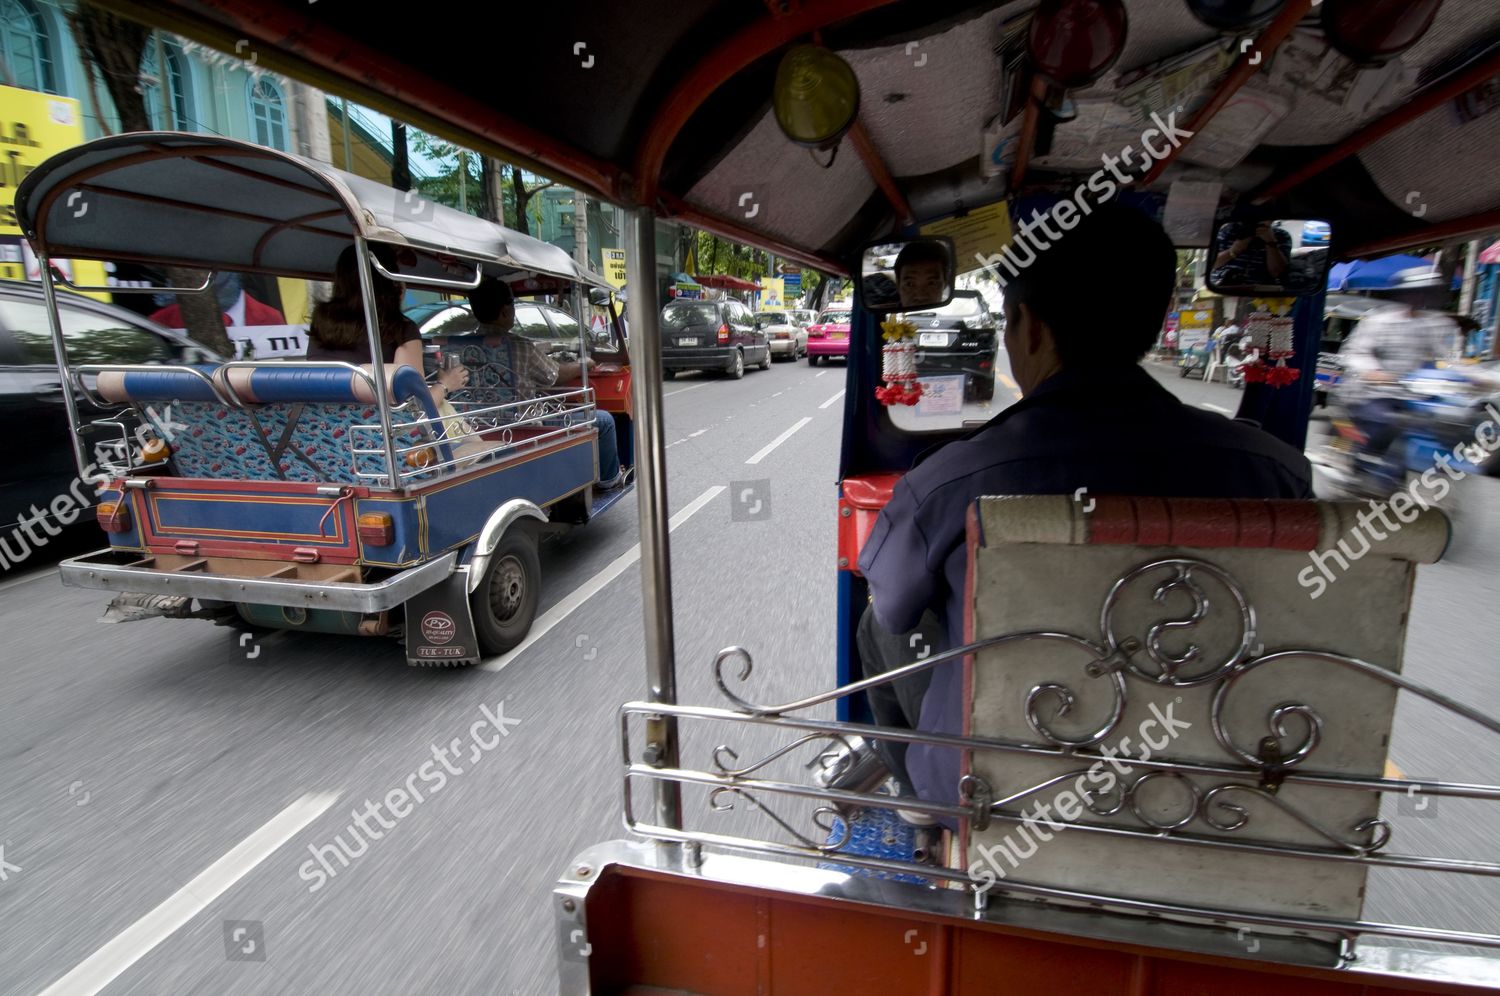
(816, 96)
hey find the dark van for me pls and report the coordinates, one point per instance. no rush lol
(711, 335)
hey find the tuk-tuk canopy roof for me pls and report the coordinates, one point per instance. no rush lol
(200, 200)
(668, 105)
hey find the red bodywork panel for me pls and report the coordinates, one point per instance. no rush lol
(256, 520)
(860, 503)
(611, 384)
(654, 932)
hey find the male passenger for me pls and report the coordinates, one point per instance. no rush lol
(535, 372)
(1089, 417)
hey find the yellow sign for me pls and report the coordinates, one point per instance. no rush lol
(614, 266)
(772, 295)
(977, 236)
(1197, 319)
(33, 126)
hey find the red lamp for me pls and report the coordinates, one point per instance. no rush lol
(1234, 15)
(1374, 31)
(1072, 43)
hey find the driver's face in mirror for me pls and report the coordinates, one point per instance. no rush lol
(922, 275)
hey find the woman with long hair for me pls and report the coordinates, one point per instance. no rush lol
(337, 330)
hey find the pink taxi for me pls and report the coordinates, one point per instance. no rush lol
(828, 336)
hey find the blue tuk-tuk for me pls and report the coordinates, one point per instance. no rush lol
(323, 496)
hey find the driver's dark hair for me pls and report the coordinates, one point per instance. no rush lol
(924, 251)
(489, 297)
(1103, 288)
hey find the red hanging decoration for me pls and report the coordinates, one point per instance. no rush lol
(899, 364)
(1272, 335)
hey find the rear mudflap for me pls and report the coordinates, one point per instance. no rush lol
(439, 626)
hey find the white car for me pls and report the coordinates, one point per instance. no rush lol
(788, 340)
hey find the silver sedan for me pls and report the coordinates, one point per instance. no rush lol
(787, 338)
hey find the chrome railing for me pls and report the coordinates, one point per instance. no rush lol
(1214, 804)
(565, 414)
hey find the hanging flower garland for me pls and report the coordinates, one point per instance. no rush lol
(1273, 335)
(899, 364)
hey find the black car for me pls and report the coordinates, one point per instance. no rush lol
(41, 471)
(959, 338)
(711, 335)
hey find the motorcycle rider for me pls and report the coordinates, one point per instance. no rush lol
(1389, 344)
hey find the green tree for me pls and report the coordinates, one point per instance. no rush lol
(459, 180)
(115, 46)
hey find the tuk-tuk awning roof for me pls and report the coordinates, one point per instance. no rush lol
(198, 200)
(1490, 256)
(667, 105)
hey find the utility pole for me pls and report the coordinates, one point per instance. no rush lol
(400, 168)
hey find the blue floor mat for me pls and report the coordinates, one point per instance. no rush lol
(876, 833)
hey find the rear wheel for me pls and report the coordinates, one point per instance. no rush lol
(669, 375)
(812, 361)
(504, 603)
(737, 365)
(765, 364)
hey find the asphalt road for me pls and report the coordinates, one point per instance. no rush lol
(162, 786)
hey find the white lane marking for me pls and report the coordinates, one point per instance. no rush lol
(695, 435)
(674, 443)
(684, 390)
(765, 451)
(819, 374)
(27, 579)
(778, 394)
(547, 620)
(1216, 408)
(105, 965)
(831, 401)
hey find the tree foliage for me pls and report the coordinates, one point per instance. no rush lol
(115, 47)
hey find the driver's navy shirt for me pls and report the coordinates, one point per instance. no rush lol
(1115, 432)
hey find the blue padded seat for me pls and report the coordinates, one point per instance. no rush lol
(296, 422)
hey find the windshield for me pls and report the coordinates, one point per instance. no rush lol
(834, 318)
(773, 317)
(962, 306)
(531, 323)
(680, 316)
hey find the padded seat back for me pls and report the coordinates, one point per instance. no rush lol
(294, 422)
(1184, 601)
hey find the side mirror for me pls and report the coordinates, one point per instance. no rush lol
(1282, 258)
(907, 274)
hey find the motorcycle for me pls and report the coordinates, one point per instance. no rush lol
(1437, 413)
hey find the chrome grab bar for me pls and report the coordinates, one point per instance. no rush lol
(62, 279)
(420, 281)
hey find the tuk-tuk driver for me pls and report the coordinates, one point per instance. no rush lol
(922, 274)
(1089, 417)
(535, 372)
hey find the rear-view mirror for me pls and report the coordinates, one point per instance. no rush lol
(907, 274)
(1269, 257)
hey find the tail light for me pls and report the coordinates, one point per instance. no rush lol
(723, 333)
(114, 516)
(816, 331)
(376, 529)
